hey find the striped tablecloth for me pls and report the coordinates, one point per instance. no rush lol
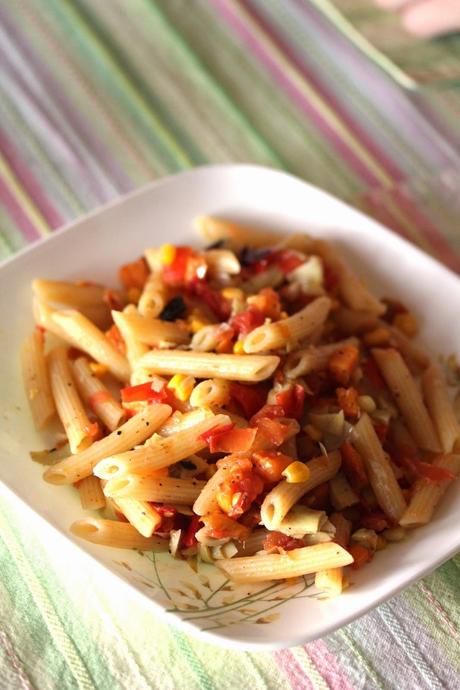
(98, 97)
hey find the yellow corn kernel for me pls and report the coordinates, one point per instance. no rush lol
(238, 348)
(406, 323)
(296, 472)
(167, 254)
(314, 433)
(182, 385)
(133, 295)
(232, 293)
(98, 369)
(379, 336)
(381, 543)
(196, 323)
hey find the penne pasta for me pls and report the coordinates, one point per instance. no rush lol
(295, 563)
(160, 451)
(36, 380)
(134, 348)
(43, 316)
(74, 295)
(301, 521)
(207, 338)
(153, 298)
(208, 365)
(213, 229)
(131, 433)
(440, 408)
(280, 500)
(212, 392)
(340, 492)
(92, 341)
(118, 535)
(407, 397)
(96, 395)
(330, 581)
(161, 490)
(140, 514)
(221, 261)
(150, 331)
(427, 494)
(290, 331)
(72, 414)
(312, 358)
(381, 476)
(91, 494)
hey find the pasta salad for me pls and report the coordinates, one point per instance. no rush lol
(251, 404)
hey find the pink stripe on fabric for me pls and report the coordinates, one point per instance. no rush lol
(428, 230)
(375, 206)
(327, 666)
(384, 162)
(30, 184)
(297, 97)
(441, 610)
(297, 678)
(21, 219)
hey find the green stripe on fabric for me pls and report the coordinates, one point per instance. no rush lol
(204, 679)
(11, 239)
(347, 636)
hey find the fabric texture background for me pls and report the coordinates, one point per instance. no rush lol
(97, 98)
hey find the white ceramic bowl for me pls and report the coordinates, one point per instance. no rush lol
(260, 616)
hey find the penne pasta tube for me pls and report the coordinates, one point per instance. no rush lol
(221, 261)
(119, 535)
(352, 290)
(158, 490)
(350, 321)
(36, 380)
(207, 338)
(153, 298)
(416, 358)
(72, 294)
(427, 494)
(253, 543)
(280, 500)
(407, 397)
(96, 395)
(160, 451)
(183, 420)
(381, 476)
(313, 358)
(206, 502)
(140, 514)
(440, 408)
(330, 581)
(301, 521)
(93, 341)
(43, 316)
(150, 331)
(134, 348)
(289, 331)
(213, 229)
(91, 494)
(70, 409)
(212, 392)
(209, 365)
(303, 561)
(340, 492)
(136, 430)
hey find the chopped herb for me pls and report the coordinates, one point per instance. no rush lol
(175, 309)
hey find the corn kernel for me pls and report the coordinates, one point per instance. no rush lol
(196, 323)
(314, 433)
(379, 336)
(238, 348)
(406, 323)
(182, 385)
(232, 293)
(167, 254)
(133, 295)
(98, 369)
(296, 472)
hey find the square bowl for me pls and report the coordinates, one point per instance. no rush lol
(201, 601)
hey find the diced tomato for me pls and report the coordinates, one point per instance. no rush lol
(276, 431)
(188, 538)
(221, 526)
(144, 392)
(353, 467)
(270, 464)
(233, 441)
(248, 320)
(267, 412)
(343, 363)
(115, 337)
(376, 521)
(425, 470)
(292, 401)
(212, 298)
(207, 436)
(250, 398)
(348, 401)
(283, 541)
(360, 554)
(331, 278)
(225, 344)
(268, 302)
(175, 273)
(286, 260)
(371, 372)
(134, 274)
(237, 492)
(94, 430)
(381, 430)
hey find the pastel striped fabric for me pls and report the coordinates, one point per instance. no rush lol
(97, 98)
